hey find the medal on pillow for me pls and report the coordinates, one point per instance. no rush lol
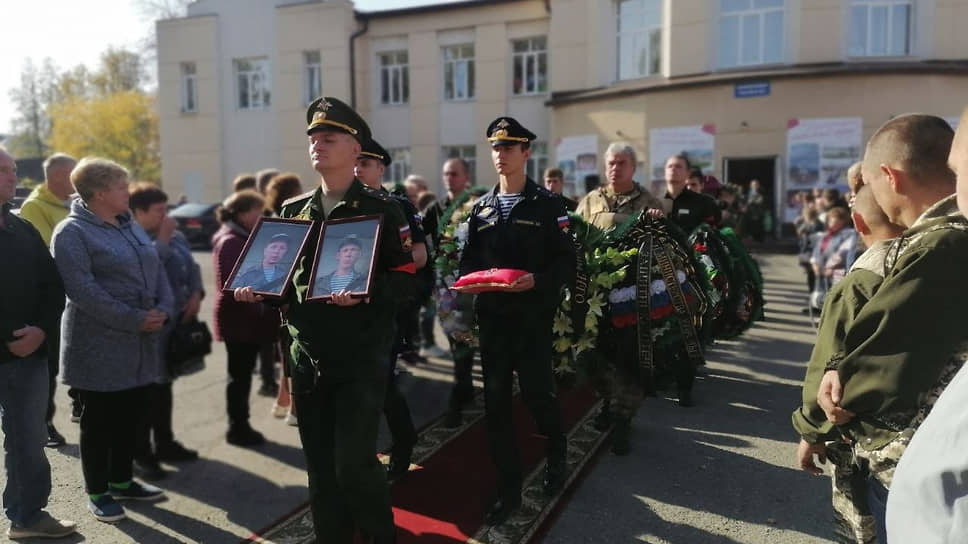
(495, 279)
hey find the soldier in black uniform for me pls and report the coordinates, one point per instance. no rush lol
(370, 166)
(523, 226)
(686, 208)
(339, 349)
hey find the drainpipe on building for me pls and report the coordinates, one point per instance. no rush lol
(353, 37)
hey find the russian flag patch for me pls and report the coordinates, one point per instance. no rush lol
(564, 223)
(405, 240)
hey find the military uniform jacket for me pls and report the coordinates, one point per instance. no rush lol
(345, 343)
(533, 237)
(840, 308)
(902, 340)
(605, 209)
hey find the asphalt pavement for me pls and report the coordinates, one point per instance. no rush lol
(721, 472)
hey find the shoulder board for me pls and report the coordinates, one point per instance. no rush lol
(295, 199)
(545, 192)
(377, 194)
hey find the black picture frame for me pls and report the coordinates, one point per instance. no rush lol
(249, 270)
(333, 236)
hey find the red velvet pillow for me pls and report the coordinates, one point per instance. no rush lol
(495, 279)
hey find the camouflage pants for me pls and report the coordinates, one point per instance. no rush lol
(853, 521)
(618, 377)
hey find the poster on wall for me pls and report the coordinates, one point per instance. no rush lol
(697, 142)
(577, 157)
(819, 152)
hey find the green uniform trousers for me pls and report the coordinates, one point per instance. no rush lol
(338, 425)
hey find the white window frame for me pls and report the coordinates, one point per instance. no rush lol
(399, 168)
(466, 152)
(761, 14)
(642, 35)
(312, 76)
(189, 87)
(254, 71)
(460, 63)
(534, 57)
(394, 71)
(537, 162)
(888, 30)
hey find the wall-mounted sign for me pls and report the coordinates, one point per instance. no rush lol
(751, 90)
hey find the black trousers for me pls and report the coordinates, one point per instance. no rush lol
(428, 314)
(155, 421)
(522, 343)
(108, 436)
(267, 362)
(348, 490)
(403, 433)
(241, 361)
(53, 368)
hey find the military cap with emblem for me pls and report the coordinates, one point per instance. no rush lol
(506, 131)
(373, 150)
(328, 113)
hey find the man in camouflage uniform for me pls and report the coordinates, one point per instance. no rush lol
(896, 360)
(619, 383)
(340, 347)
(818, 436)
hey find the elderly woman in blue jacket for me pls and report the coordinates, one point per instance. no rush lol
(118, 301)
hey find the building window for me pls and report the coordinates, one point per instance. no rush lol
(880, 28)
(252, 79)
(750, 32)
(466, 152)
(537, 162)
(400, 167)
(189, 91)
(313, 76)
(394, 78)
(639, 38)
(530, 59)
(458, 72)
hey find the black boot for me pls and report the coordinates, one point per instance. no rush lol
(502, 508)
(243, 435)
(556, 467)
(685, 398)
(621, 429)
(604, 418)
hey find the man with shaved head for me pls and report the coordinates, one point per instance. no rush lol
(929, 495)
(906, 343)
(818, 437)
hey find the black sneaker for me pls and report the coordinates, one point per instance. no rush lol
(174, 452)
(147, 468)
(244, 437)
(136, 492)
(54, 438)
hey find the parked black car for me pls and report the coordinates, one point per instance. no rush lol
(197, 222)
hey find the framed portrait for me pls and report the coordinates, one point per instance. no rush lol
(345, 257)
(268, 260)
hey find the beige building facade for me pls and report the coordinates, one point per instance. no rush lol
(759, 88)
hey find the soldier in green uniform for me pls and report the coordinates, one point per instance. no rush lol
(339, 349)
(606, 207)
(519, 225)
(841, 306)
(909, 339)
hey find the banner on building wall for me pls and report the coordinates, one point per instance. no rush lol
(819, 152)
(577, 157)
(697, 142)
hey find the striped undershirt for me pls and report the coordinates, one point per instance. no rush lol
(338, 283)
(507, 201)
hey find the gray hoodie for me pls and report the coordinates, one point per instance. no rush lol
(112, 276)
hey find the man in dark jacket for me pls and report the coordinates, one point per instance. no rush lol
(31, 301)
(521, 226)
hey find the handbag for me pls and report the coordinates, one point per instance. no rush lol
(190, 342)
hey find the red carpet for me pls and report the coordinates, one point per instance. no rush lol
(444, 497)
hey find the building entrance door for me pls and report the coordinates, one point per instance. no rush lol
(740, 171)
